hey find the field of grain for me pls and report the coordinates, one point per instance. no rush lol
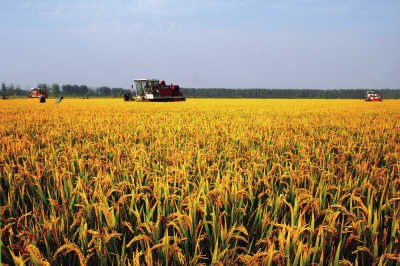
(206, 181)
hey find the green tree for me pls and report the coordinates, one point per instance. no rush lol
(83, 90)
(104, 91)
(3, 89)
(55, 89)
(42, 86)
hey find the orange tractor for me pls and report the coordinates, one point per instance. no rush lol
(154, 90)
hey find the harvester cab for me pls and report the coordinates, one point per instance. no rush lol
(373, 96)
(154, 90)
(38, 93)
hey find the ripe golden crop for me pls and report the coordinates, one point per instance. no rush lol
(227, 181)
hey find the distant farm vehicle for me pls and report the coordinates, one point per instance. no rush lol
(373, 96)
(38, 93)
(154, 90)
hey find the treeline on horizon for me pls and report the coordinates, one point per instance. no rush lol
(288, 93)
(55, 90)
(74, 90)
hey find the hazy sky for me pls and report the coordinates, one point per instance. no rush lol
(202, 43)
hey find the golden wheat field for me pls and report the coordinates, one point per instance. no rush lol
(206, 181)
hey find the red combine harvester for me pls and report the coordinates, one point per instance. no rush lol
(154, 90)
(38, 93)
(373, 96)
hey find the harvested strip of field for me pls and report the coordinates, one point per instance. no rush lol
(286, 182)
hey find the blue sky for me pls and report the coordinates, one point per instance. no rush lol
(232, 43)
